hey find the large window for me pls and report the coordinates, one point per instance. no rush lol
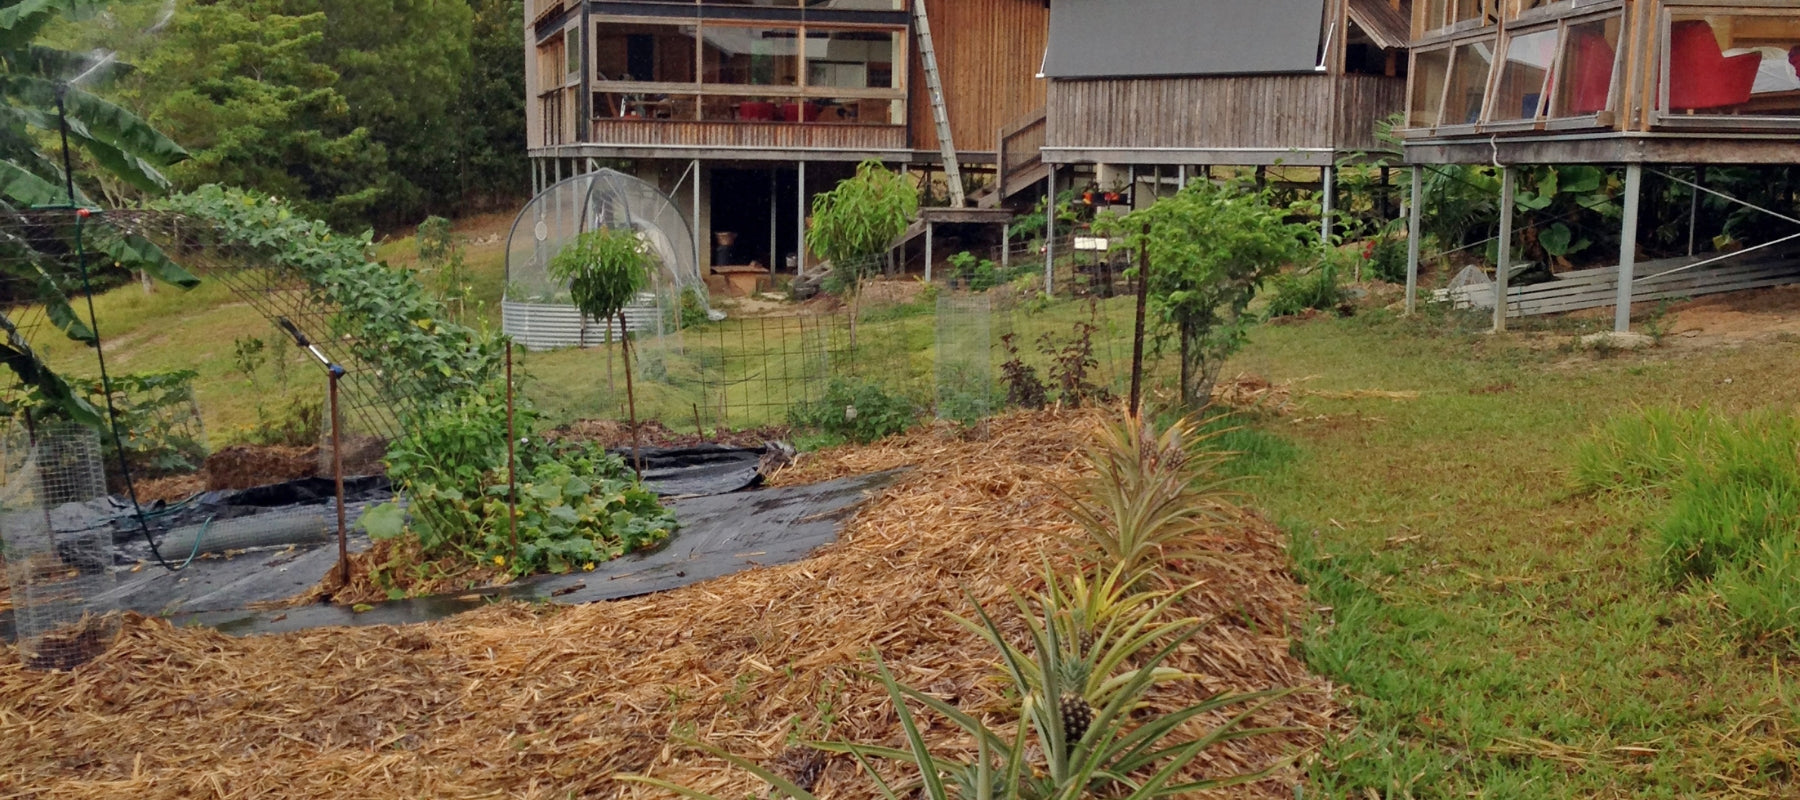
(1467, 92)
(1429, 70)
(1737, 64)
(1525, 76)
(1560, 73)
(720, 71)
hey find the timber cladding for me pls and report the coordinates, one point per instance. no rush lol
(988, 55)
(1222, 113)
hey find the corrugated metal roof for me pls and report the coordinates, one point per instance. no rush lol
(1388, 26)
(1148, 38)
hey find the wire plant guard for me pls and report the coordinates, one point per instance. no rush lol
(536, 310)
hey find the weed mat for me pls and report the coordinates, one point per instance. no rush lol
(511, 701)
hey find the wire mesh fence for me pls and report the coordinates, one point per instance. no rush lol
(58, 563)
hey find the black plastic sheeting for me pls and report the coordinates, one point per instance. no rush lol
(719, 535)
(700, 470)
(218, 506)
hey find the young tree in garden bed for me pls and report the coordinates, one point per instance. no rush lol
(1210, 247)
(855, 223)
(605, 269)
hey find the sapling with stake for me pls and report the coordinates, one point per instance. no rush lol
(606, 269)
(860, 220)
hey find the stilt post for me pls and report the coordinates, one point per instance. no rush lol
(1634, 184)
(800, 223)
(1050, 233)
(1507, 179)
(1413, 236)
(1327, 189)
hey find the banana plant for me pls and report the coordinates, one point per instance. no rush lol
(43, 103)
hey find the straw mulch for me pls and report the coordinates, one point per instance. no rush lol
(511, 702)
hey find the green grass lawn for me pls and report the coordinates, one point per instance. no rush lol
(1498, 633)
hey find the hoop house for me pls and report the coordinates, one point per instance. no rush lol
(536, 311)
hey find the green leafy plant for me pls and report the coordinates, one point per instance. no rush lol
(858, 221)
(977, 274)
(576, 505)
(441, 254)
(605, 270)
(46, 255)
(1316, 288)
(1024, 388)
(1210, 247)
(859, 410)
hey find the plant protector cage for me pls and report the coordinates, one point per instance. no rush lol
(536, 311)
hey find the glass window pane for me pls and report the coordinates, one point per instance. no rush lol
(1468, 83)
(1735, 64)
(633, 52)
(750, 56)
(1523, 74)
(1428, 72)
(852, 59)
(572, 50)
(1589, 60)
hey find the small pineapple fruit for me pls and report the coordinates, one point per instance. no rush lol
(1072, 678)
(1077, 715)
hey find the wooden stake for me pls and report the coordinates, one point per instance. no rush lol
(637, 457)
(337, 473)
(512, 470)
(1137, 336)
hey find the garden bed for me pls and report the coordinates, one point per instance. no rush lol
(554, 702)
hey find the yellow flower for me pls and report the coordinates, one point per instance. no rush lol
(588, 567)
(499, 561)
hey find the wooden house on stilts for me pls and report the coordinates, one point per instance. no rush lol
(1656, 87)
(743, 110)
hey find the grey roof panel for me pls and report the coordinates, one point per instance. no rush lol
(1150, 38)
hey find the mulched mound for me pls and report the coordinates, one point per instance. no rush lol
(512, 702)
(243, 466)
(613, 433)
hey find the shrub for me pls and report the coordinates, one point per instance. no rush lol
(1024, 388)
(978, 274)
(1387, 259)
(861, 411)
(1210, 247)
(1317, 288)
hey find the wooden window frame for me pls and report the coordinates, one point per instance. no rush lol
(1660, 115)
(801, 90)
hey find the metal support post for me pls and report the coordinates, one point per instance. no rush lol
(1694, 208)
(1634, 184)
(1181, 177)
(1507, 182)
(337, 475)
(1327, 189)
(1050, 232)
(930, 234)
(512, 469)
(1413, 235)
(698, 253)
(774, 200)
(800, 223)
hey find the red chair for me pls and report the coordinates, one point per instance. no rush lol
(756, 112)
(1794, 58)
(1700, 76)
(1592, 72)
(797, 112)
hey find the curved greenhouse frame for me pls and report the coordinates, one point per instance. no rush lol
(536, 311)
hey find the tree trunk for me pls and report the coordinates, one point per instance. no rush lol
(1198, 372)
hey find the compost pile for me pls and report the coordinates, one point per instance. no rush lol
(516, 702)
